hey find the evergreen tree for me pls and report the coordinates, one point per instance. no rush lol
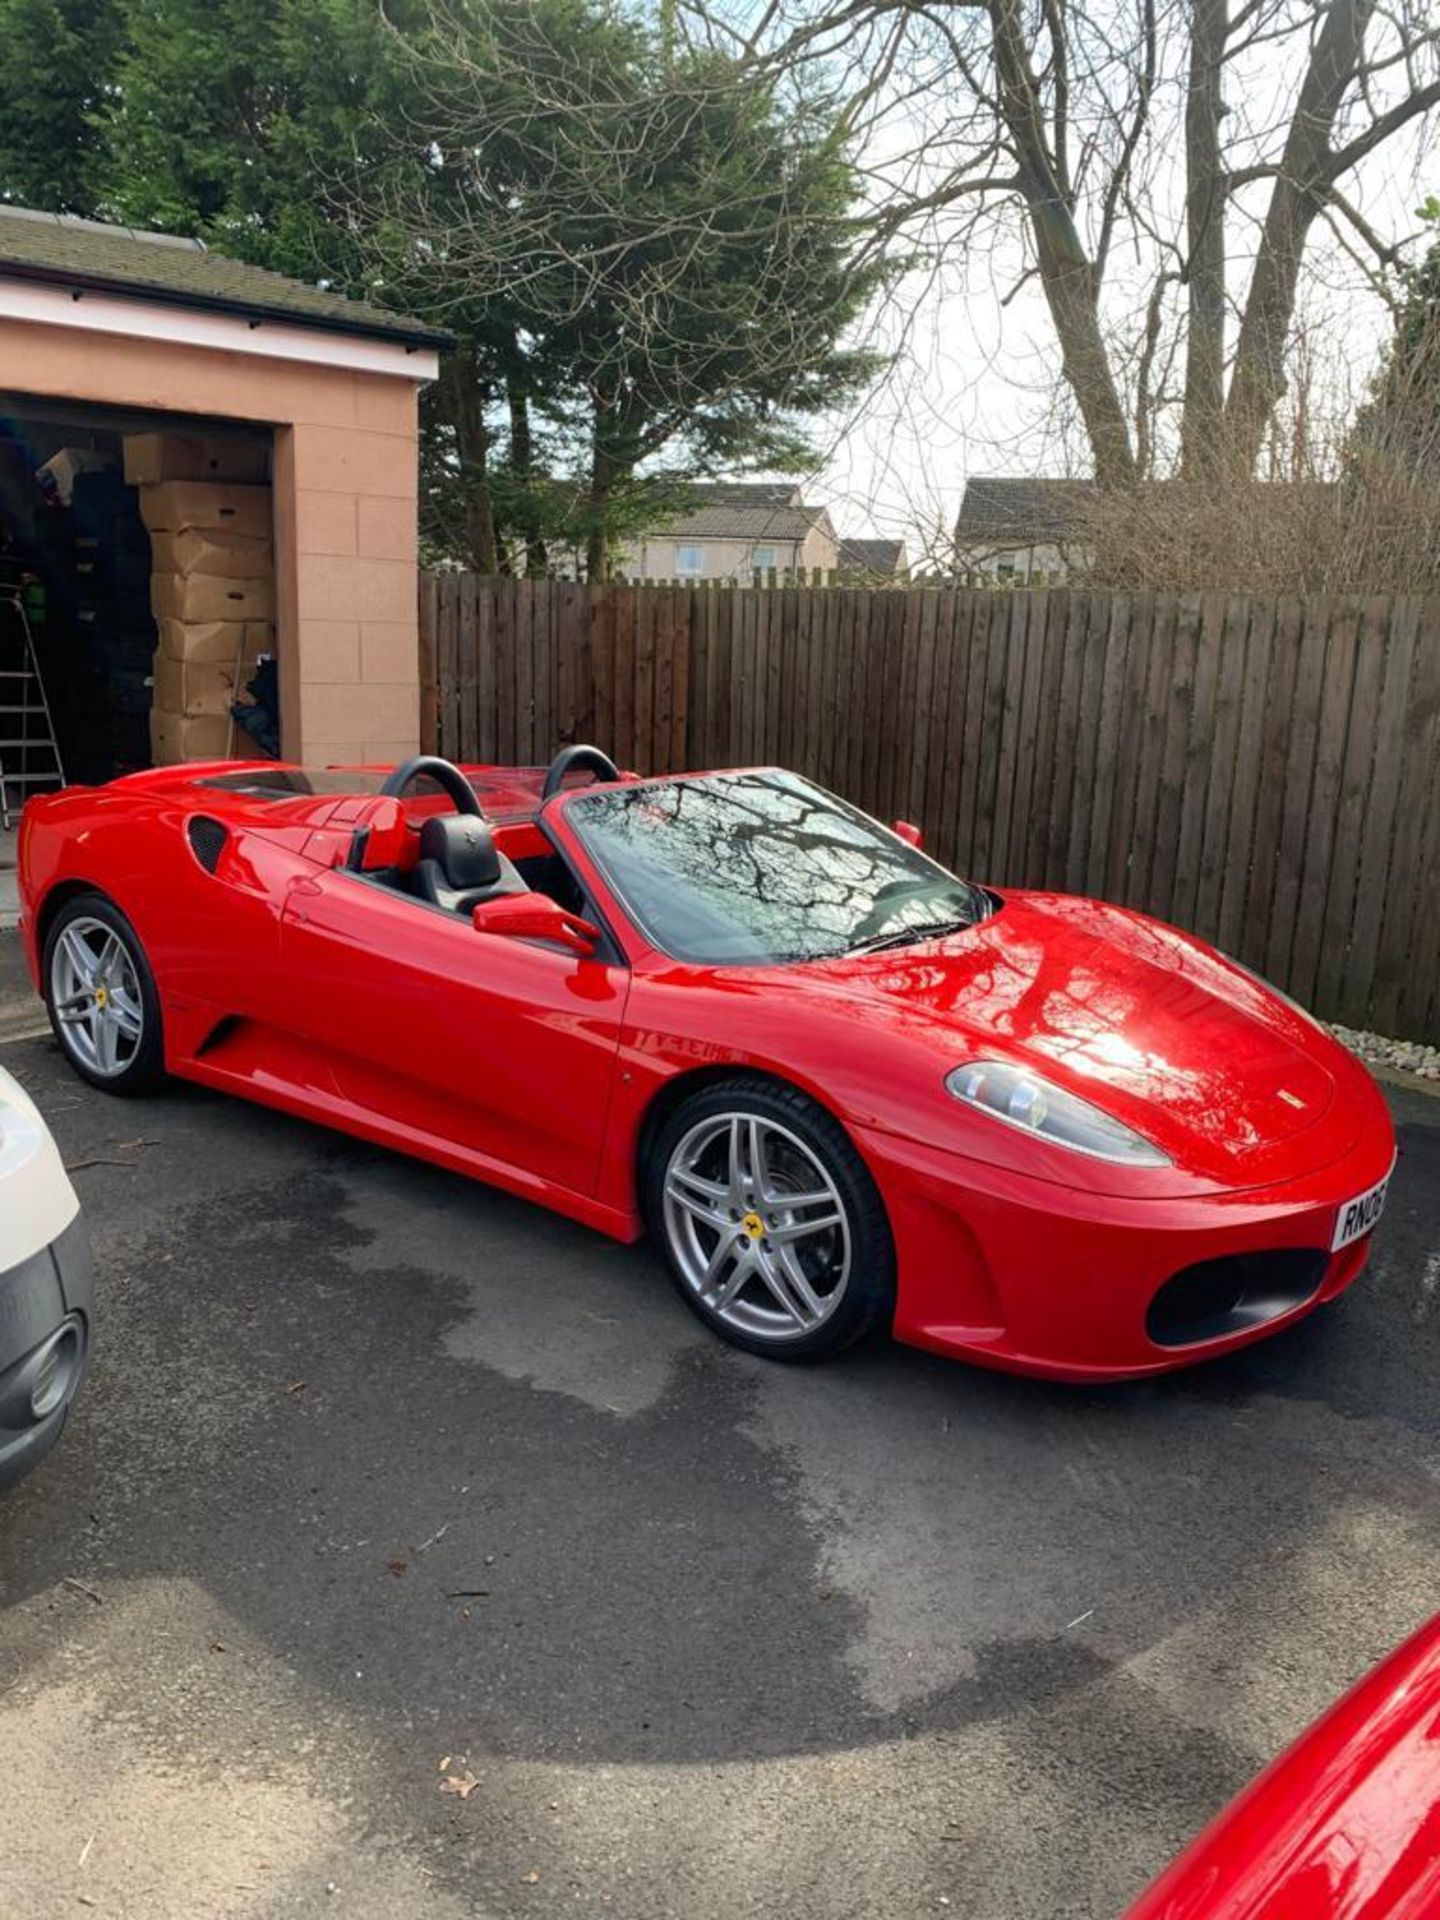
(646, 257)
(56, 84)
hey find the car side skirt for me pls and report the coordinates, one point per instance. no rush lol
(279, 1081)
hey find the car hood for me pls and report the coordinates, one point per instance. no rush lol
(1231, 1081)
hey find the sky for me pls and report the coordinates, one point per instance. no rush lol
(973, 387)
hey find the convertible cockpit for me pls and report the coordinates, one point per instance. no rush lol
(453, 840)
(424, 832)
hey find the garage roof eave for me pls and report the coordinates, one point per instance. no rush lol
(414, 338)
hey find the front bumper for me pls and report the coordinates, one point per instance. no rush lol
(1031, 1277)
(45, 1320)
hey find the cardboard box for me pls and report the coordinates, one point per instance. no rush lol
(214, 505)
(153, 457)
(201, 596)
(225, 556)
(194, 687)
(174, 738)
(215, 643)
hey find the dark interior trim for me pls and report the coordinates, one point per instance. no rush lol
(609, 952)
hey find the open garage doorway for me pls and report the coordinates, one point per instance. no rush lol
(137, 593)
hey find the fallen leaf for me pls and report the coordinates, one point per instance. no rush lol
(218, 1646)
(395, 1567)
(296, 1386)
(462, 1785)
(444, 1763)
(531, 1879)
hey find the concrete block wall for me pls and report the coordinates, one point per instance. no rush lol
(346, 506)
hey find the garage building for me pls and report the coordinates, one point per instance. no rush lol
(208, 495)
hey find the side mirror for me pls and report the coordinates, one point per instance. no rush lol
(535, 916)
(905, 830)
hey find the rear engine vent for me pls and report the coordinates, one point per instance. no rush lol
(1216, 1297)
(207, 840)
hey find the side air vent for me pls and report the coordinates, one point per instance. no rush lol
(207, 840)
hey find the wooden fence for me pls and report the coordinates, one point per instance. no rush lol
(1264, 772)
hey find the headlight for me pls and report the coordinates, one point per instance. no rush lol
(1022, 1099)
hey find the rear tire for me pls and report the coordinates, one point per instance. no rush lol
(101, 997)
(773, 1229)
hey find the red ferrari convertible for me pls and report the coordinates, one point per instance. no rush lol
(843, 1088)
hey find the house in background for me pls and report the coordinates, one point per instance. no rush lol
(733, 530)
(1023, 532)
(879, 563)
(1041, 533)
(737, 528)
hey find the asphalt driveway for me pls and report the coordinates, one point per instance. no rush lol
(379, 1471)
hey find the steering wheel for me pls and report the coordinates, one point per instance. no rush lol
(430, 766)
(568, 758)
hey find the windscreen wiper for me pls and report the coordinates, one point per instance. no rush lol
(906, 936)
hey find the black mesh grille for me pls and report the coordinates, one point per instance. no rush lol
(207, 838)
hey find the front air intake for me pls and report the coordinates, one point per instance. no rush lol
(1239, 1290)
(207, 840)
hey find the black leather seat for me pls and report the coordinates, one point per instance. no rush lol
(460, 864)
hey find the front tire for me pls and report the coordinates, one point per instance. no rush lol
(773, 1229)
(101, 997)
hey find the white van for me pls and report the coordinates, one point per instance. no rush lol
(45, 1286)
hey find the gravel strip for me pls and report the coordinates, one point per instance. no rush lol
(1411, 1056)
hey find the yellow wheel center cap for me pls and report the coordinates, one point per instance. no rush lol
(754, 1226)
(102, 995)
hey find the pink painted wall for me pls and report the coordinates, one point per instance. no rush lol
(346, 504)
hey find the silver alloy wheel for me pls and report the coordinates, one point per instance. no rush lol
(756, 1226)
(95, 992)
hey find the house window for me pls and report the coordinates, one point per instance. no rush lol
(762, 559)
(690, 560)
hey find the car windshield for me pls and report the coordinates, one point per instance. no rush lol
(763, 867)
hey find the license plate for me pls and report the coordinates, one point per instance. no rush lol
(1356, 1217)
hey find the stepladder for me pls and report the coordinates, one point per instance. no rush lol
(29, 752)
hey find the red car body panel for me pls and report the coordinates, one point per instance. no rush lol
(289, 979)
(1345, 1825)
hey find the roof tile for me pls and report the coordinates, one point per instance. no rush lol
(89, 253)
(884, 558)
